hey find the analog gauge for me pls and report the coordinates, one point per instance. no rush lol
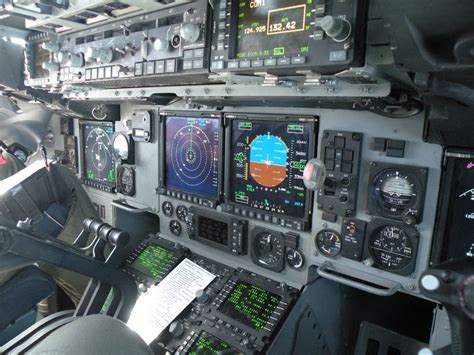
(167, 208)
(175, 227)
(21, 155)
(395, 191)
(391, 247)
(126, 181)
(182, 213)
(329, 243)
(121, 147)
(268, 249)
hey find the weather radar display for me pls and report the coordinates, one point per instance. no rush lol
(267, 165)
(99, 161)
(192, 148)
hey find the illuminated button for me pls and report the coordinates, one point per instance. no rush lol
(337, 56)
(232, 65)
(221, 25)
(298, 60)
(138, 69)
(220, 46)
(101, 73)
(347, 155)
(222, 14)
(320, 9)
(284, 61)
(266, 218)
(270, 62)
(150, 68)
(170, 66)
(251, 214)
(187, 64)
(257, 63)
(159, 67)
(346, 168)
(198, 53)
(188, 54)
(108, 72)
(276, 220)
(318, 35)
(245, 64)
(94, 73)
(330, 153)
(223, 4)
(88, 74)
(259, 216)
(198, 63)
(221, 36)
(217, 65)
(115, 71)
(339, 142)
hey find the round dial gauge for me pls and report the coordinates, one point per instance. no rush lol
(126, 181)
(394, 191)
(269, 249)
(175, 227)
(391, 248)
(294, 258)
(121, 147)
(329, 243)
(167, 208)
(182, 213)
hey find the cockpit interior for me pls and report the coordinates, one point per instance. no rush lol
(216, 177)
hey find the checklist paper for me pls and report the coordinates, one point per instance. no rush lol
(155, 310)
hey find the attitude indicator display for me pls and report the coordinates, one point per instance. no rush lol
(268, 159)
(273, 28)
(191, 158)
(99, 160)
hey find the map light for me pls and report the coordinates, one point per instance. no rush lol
(314, 174)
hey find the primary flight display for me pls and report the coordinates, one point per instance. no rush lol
(267, 165)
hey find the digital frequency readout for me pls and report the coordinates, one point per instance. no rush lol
(267, 167)
(153, 260)
(250, 305)
(192, 148)
(270, 28)
(210, 345)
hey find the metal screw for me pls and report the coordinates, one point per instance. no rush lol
(117, 93)
(207, 91)
(187, 91)
(324, 225)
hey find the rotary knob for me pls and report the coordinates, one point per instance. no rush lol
(61, 57)
(146, 47)
(50, 46)
(73, 60)
(190, 32)
(160, 44)
(102, 55)
(336, 28)
(202, 297)
(176, 329)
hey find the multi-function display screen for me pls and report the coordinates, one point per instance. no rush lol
(273, 28)
(267, 163)
(250, 305)
(153, 260)
(460, 218)
(99, 160)
(192, 148)
(210, 345)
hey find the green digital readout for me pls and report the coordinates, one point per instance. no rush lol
(210, 345)
(153, 260)
(250, 305)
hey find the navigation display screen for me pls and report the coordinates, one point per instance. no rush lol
(273, 28)
(153, 260)
(191, 158)
(459, 233)
(250, 305)
(268, 159)
(99, 159)
(210, 345)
